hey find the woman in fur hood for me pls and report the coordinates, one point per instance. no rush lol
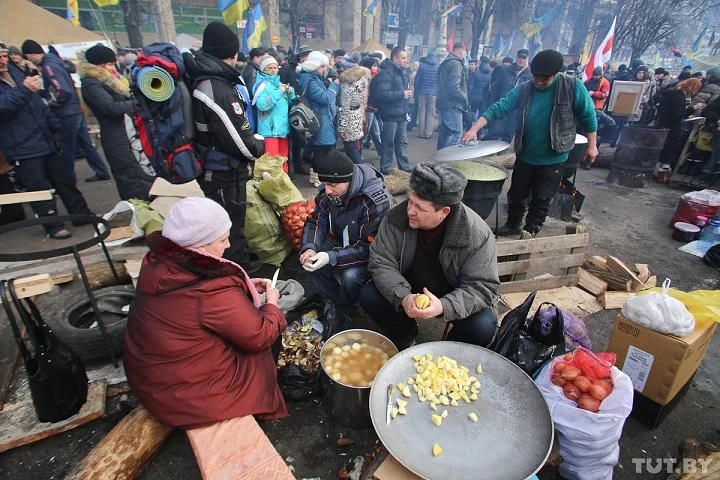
(354, 88)
(107, 94)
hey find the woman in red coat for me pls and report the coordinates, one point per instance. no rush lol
(197, 344)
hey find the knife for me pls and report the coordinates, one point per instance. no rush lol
(274, 279)
(389, 405)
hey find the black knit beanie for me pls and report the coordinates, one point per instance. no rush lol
(31, 46)
(219, 41)
(335, 167)
(100, 55)
(547, 63)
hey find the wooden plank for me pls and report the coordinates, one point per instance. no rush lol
(119, 233)
(643, 271)
(31, 286)
(125, 451)
(616, 266)
(614, 300)
(615, 282)
(591, 283)
(650, 283)
(533, 245)
(544, 263)
(597, 261)
(19, 424)
(62, 277)
(25, 197)
(571, 299)
(535, 284)
(8, 359)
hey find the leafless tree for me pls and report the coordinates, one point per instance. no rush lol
(132, 14)
(644, 23)
(302, 12)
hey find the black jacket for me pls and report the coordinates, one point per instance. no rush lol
(110, 100)
(219, 107)
(507, 79)
(672, 108)
(387, 91)
(249, 75)
(26, 122)
(289, 75)
(479, 83)
(452, 85)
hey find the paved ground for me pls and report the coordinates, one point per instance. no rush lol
(631, 224)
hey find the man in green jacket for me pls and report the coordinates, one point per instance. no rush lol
(547, 108)
(433, 245)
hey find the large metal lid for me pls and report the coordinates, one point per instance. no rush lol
(470, 151)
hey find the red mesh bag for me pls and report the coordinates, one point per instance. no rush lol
(584, 376)
(293, 221)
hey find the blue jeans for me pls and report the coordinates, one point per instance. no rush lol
(74, 131)
(353, 150)
(373, 133)
(477, 329)
(451, 127)
(352, 279)
(394, 139)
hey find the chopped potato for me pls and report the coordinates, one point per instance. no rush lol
(433, 406)
(437, 450)
(479, 369)
(473, 396)
(401, 403)
(444, 400)
(401, 410)
(473, 417)
(437, 420)
(406, 392)
(393, 412)
(401, 386)
(444, 414)
(416, 357)
(454, 395)
(454, 403)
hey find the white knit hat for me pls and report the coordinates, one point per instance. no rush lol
(314, 61)
(266, 61)
(196, 222)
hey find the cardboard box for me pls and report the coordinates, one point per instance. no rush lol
(391, 469)
(659, 365)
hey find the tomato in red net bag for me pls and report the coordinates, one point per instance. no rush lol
(293, 221)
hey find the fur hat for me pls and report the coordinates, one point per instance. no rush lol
(266, 61)
(99, 55)
(335, 167)
(219, 41)
(31, 46)
(315, 60)
(438, 183)
(547, 63)
(196, 222)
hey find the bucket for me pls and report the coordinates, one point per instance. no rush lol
(638, 151)
(349, 405)
(481, 195)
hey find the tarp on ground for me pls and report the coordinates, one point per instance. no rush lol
(370, 46)
(22, 20)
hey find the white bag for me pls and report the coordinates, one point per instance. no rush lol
(121, 207)
(588, 441)
(660, 312)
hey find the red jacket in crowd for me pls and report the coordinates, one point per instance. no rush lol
(600, 93)
(197, 351)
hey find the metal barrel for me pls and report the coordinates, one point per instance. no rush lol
(637, 153)
(346, 404)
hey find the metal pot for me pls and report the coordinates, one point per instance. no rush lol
(346, 404)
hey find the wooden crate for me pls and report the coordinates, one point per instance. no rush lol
(562, 252)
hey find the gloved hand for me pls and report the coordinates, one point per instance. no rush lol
(316, 262)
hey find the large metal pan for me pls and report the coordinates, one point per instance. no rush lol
(470, 152)
(511, 440)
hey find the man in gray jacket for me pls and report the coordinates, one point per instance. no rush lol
(433, 245)
(452, 96)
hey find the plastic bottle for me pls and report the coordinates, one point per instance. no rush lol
(701, 222)
(709, 236)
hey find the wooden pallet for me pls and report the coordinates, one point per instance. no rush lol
(520, 258)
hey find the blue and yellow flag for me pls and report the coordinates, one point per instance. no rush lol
(106, 3)
(371, 9)
(251, 36)
(72, 12)
(232, 10)
(533, 28)
(698, 42)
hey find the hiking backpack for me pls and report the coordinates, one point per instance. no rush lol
(302, 118)
(166, 128)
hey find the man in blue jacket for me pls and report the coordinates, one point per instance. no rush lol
(389, 92)
(65, 104)
(336, 238)
(27, 127)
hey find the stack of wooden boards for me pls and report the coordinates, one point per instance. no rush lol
(612, 281)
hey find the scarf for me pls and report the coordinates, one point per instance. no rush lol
(251, 288)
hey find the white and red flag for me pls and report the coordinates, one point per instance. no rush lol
(602, 54)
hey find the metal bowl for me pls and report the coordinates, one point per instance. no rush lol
(470, 152)
(511, 440)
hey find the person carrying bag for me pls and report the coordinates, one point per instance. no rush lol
(56, 375)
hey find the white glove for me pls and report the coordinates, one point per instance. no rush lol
(316, 262)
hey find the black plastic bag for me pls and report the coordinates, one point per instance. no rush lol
(712, 256)
(295, 382)
(528, 344)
